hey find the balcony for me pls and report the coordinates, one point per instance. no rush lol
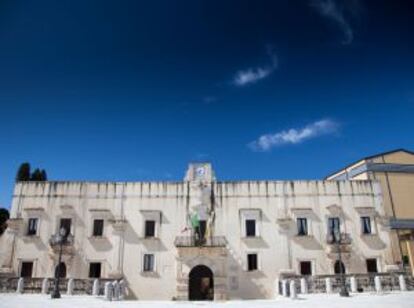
(345, 239)
(191, 241)
(67, 247)
(344, 246)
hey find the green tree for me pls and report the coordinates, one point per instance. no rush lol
(4, 216)
(23, 174)
(36, 175)
(43, 175)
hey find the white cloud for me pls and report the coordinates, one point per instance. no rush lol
(253, 75)
(331, 10)
(294, 135)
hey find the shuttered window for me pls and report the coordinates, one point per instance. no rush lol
(32, 226)
(149, 263)
(98, 225)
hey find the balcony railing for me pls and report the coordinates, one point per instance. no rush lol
(67, 246)
(345, 239)
(191, 241)
(54, 240)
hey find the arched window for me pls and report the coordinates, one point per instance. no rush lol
(61, 270)
(339, 267)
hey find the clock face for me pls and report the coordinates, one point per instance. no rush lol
(200, 171)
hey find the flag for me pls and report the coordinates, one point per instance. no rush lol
(210, 222)
(195, 220)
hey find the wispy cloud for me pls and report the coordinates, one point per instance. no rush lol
(334, 11)
(209, 100)
(254, 74)
(294, 135)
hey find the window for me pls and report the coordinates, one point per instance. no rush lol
(149, 228)
(333, 226)
(32, 226)
(95, 270)
(252, 262)
(366, 225)
(149, 263)
(250, 221)
(250, 227)
(372, 266)
(306, 268)
(66, 224)
(302, 226)
(98, 225)
(26, 270)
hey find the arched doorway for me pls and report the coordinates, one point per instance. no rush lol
(61, 269)
(201, 284)
(339, 267)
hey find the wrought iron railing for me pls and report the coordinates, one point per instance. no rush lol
(54, 240)
(191, 241)
(344, 240)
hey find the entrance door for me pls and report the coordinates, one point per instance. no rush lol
(61, 270)
(201, 284)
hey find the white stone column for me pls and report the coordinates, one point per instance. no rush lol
(95, 288)
(292, 289)
(328, 285)
(284, 287)
(20, 286)
(354, 285)
(45, 286)
(378, 286)
(303, 286)
(122, 290)
(71, 286)
(108, 291)
(115, 285)
(401, 280)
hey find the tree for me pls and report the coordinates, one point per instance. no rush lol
(36, 175)
(23, 174)
(43, 175)
(4, 216)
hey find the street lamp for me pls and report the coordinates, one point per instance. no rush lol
(337, 237)
(60, 239)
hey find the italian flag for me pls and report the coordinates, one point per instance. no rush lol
(195, 220)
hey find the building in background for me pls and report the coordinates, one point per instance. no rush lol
(395, 172)
(199, 238)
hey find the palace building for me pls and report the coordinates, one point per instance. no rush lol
(394, 170)
(200, 238)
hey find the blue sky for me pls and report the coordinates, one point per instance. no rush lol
(134, 90)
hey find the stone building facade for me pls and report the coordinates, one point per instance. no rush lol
(394, 170)
(199, 238)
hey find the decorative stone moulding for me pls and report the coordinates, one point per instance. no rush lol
(66, 208)
(302, 211)
(33, 209)
(118, 224)
(14, 224)
(366, 210)
(334, 209)
(284, 222)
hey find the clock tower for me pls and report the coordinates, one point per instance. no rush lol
(200, 172)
